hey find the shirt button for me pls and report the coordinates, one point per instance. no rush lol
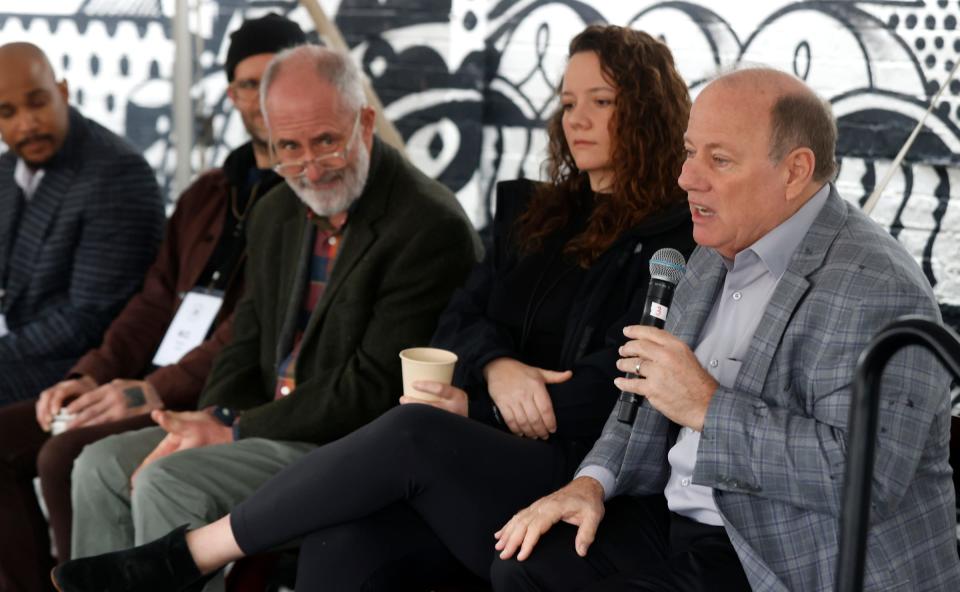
(685, 482)
(714, 363)
(737, 295)
(284, 390)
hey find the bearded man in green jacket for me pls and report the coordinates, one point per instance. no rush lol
(350, 261)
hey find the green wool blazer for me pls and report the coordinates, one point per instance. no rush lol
(407, 246)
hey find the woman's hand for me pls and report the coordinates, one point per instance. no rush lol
(449, 398)
(520, 393)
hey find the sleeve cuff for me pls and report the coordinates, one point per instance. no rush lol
(602, 475)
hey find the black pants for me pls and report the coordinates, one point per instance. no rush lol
(412, 493)
(640, 545)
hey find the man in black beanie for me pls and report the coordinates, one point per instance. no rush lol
(252, 46)
(113, 388)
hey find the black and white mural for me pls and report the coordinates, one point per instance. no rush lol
(469, 82)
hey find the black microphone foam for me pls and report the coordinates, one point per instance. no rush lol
(666, 269)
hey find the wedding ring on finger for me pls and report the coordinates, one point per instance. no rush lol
(636, 369)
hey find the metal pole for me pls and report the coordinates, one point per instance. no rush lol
(182, 107)
(879, 187)
(862, 432)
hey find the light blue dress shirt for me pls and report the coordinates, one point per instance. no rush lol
(748, 286)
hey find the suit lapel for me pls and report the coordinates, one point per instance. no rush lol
(695, 295)
(42, 209)
(38, 214)
(361, 229)
(789, 293)
(9, 196)
(296, 247)
(359, 237)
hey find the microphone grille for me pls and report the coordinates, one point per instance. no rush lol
(667, 265)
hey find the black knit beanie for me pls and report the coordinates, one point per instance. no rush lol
(268, 34)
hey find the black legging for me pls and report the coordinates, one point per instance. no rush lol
(397, 492)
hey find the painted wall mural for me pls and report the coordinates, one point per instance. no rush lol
(469, 83)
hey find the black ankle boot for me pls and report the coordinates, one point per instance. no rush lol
(165, 565)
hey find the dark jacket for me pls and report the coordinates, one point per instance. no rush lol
(407, 246)
(193, 232)
(83, 243)
(481, 323)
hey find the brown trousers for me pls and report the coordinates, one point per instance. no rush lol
(26, 452)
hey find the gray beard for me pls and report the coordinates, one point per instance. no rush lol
(352, 180)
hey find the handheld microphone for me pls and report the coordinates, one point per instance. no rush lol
(666, 269)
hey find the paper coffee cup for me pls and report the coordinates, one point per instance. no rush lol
(426, 363)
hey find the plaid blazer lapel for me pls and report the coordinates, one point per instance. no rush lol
(788, 294)
(695, 295)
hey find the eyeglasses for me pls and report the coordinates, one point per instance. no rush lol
(246, 89)
(334, 159)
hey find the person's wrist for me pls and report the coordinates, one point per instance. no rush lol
(496, 365)
(86, 380)
(153, 396)
(491, 366)
(590, 486)
(225, 415)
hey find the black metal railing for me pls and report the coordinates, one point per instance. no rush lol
(862, 431)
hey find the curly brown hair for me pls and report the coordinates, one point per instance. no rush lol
(650, 115)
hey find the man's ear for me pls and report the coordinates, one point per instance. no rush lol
(64, 90)
(368, 121)
(800, 164)
(232, 95)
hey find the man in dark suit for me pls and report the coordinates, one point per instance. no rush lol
(350, 261)
(80, 221)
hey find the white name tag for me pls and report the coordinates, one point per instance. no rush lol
(3, 326)
(189, 327)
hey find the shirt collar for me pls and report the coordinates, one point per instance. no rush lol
(776, 247)
(333, 223)
(27, 179)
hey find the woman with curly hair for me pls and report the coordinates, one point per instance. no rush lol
(415, 496)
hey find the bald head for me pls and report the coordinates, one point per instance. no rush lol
(767, 83)
(315, 65)
(796, 117)
(33, 105)
(25, 56)
(751, 159)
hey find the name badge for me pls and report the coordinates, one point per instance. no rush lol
(190, 326)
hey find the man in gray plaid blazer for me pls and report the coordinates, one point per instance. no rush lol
(731, 476)
(80, 220)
